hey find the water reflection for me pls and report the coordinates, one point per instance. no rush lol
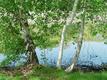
(91, 53)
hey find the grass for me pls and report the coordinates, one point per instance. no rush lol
(42, 73)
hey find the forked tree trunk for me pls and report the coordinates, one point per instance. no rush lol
(79, 45)
(68, 21)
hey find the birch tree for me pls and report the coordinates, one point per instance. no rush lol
(79, 44)
(68, 21)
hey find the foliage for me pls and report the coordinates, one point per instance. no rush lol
(46, 19)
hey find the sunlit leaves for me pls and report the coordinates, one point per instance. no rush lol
(45, 19)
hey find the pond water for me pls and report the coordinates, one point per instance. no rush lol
(92, 53)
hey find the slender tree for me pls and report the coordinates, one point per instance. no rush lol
(79, 43)
(68, 21)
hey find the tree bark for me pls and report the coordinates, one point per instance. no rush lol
(79, 45)
(68, 21)
(29, 44)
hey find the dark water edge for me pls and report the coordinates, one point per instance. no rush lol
(82, 68)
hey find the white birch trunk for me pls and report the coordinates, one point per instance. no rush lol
(68, 21)
(79, 45)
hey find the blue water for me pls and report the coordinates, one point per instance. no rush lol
(2, 57)
(91, 53)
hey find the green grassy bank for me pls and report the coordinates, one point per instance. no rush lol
(42, 73)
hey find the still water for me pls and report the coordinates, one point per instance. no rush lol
(92, 53)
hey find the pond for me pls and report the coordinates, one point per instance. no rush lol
(92, 53)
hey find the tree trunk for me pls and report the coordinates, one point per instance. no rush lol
(30, 47)
(79, 45)
(68, 21)
(61, 48)
(29, 44)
